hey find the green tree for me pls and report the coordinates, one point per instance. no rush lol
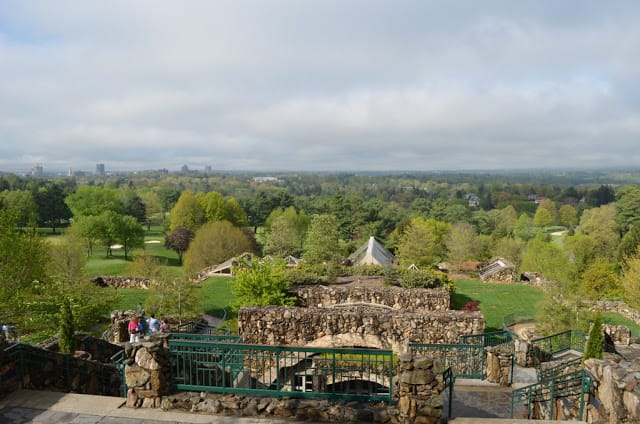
(422, 242)
(67, 259)
(599, 280)
(581, 250)
(67, 341)
(213, 243)
(261, 283)
(524, 228)
(509, 248)
(600, 223)
(595, 344)
(187, 212)
(152, 207)
(630, 281)
(542, 218)
(629, 244)
(627, 207)
(550, 206)
(21, 203)
(172, 295)
(545, 257)
(285, 232)
(93, 200)
(568, 216)
(461, 243)
(322, 243)
(129, 233)
(89, 229)
(23, 260)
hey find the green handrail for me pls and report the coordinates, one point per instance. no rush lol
(222, 367)
(577, 383)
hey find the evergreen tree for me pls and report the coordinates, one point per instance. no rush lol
(67, 340)
(595, 344)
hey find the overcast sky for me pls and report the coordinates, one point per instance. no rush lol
(319, 85)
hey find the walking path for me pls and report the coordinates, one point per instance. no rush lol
(28, 406)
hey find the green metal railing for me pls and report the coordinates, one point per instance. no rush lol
(516, 318)
(200, 328)
(545, 347)
(577, 384)
(465, 360)
(354, 374)
(449, 380)
(118, 361)
(553, 372)
(493, 338)
(215, 338)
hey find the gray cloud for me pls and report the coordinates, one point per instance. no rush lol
(332, 85)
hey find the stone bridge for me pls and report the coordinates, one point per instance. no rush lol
(380, 318)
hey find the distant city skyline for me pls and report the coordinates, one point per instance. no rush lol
(358, 85)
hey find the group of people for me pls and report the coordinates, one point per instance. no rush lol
(140, 326)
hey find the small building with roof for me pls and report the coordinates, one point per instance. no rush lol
(372, 253)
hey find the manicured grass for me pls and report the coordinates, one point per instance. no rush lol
(214, 296)
(99, 264)
(497, 300)
(129, 298)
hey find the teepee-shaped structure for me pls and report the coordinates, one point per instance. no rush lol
(372, 253)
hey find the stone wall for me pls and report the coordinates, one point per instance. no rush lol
(45, 370)
(407, 300)
(617, 391)
(616, 306)
(358, 326)
(498, 364)
(122, 282)
(147, 372)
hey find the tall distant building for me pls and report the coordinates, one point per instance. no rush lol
(100, 170)
(184, 169)
(207, 169)
(37, 171)
(70, 172)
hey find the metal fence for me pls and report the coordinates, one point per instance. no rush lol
(354, 374)
(465, 360)
(543, 349)
(38, 369)
(493, 338)
(575, 384)
(195, 327)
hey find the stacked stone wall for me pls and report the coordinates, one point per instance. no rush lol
(361, 326)
(123, 282)
(406, 300)
(618, 307)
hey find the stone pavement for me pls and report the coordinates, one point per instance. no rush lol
(27, 406)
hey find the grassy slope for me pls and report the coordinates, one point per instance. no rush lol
(497, 300)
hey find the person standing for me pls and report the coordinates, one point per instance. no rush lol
(154, 324)
(134, 333)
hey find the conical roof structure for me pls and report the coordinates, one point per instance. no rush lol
(372, 253)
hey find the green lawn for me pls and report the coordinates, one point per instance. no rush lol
(497, 300)
(214, 295)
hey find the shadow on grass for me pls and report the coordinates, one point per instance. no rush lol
(459, 300)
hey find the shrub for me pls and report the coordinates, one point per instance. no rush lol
(471, 306)
(411, 279)
(595, 344)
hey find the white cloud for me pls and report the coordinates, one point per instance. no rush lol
(284, 84)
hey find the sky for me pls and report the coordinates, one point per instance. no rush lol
(322, 85)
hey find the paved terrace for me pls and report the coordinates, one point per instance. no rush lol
(27, 406)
